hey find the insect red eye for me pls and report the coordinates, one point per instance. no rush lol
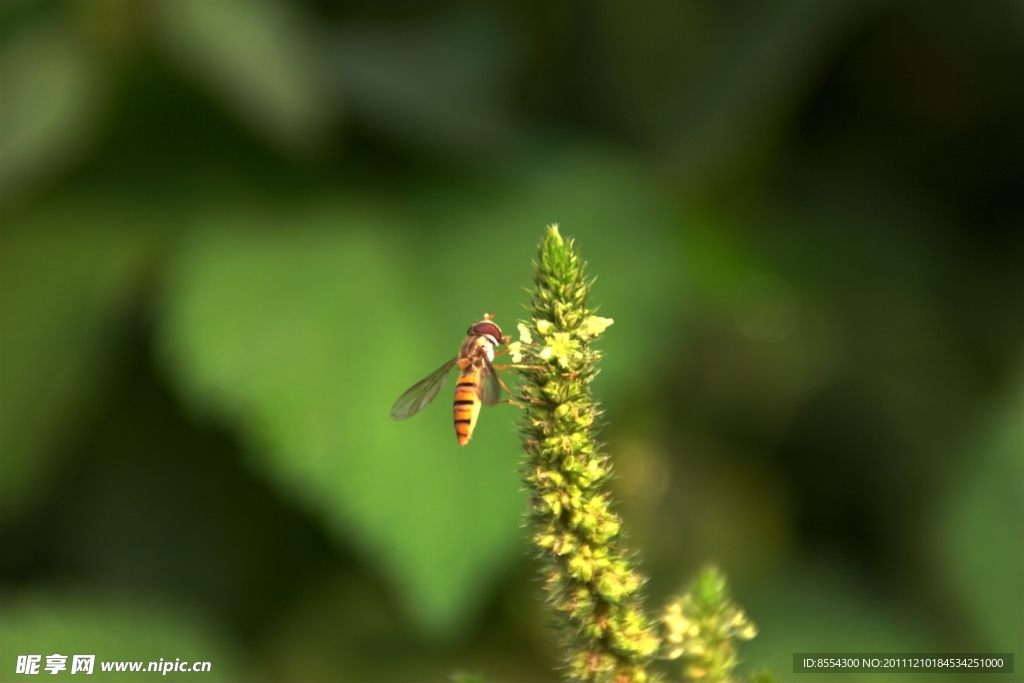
(486, 328)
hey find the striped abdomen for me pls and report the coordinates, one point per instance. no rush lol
(467, 401)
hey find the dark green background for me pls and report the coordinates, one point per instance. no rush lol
(234, 233)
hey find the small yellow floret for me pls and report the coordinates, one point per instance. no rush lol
(594, 326)
(515, 350)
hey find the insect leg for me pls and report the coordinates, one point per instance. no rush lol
(505, 341)
(517, 366)
(508, 391)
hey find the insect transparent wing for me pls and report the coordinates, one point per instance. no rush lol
(489, 389)
(421, 393)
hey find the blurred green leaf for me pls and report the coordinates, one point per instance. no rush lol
(65, 274)
(50, 104)
(304, 338)
(113, 630)
(256, 56)
(982, 531)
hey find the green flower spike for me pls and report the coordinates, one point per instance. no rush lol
(702, 627)
(589, 580)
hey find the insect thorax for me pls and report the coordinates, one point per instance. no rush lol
(476, 346)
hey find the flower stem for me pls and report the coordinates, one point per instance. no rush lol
(589, 580)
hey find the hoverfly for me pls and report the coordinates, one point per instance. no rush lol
(478, 382)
